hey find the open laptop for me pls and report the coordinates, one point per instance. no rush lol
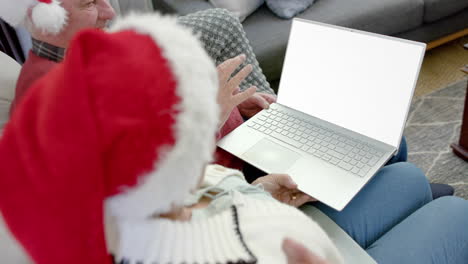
(342, 104)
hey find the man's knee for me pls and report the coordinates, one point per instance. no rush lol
(450, 214)
(406, 176)
(404, 169)
(451, 207)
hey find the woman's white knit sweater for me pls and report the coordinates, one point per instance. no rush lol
(242, 224)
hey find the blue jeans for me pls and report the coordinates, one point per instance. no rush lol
(436, 233)
(394, 218)
(402, 154)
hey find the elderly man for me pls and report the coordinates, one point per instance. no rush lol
(394, 187)
(49, 48)
(221, 34)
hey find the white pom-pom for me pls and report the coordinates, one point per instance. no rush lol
(50, 18)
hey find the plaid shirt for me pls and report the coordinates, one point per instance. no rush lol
(47, 51)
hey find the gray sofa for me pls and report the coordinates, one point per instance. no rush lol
(420, 20)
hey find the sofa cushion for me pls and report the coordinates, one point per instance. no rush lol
(10, 249)
(269, 34)
(181, 7)
(8, 76)
(437, 9)
(438, 29)
(4, 116)
(240, 8)
(288, 9)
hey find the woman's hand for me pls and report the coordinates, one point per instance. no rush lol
(284, 189)
(298, 254)
(229, 95)
(255, 104)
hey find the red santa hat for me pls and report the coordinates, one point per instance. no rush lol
(46, 15)
(126, 122)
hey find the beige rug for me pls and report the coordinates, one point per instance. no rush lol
(441, 67)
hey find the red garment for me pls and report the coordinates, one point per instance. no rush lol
(79, 135)
(34, 68)
(223, 157)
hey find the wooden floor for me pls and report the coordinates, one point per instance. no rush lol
(441, 66)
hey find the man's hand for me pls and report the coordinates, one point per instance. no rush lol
(229, 95)
(283, 189)
(255, 104)
(298, 254)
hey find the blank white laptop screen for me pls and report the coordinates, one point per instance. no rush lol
(359, 81)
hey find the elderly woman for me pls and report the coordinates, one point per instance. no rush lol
(135, 149)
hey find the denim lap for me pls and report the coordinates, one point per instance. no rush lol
(436, 234)
(393, 194)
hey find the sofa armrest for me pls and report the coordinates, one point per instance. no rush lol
(9, 73)
(10, 250)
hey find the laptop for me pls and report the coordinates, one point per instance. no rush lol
(342, 104)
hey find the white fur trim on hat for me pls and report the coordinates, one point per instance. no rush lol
(50, 18)
(178, 171)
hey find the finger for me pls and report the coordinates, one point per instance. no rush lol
(285, 181)
(242, 96)
(260, 101)
(298, 254)
(240, 76)
(226, 68)
(309, 198)
(270, 98)
(301, 199)
(229, 63)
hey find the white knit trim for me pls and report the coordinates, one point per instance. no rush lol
(263, 225)
(266, 223)
(211, 240)
(14, 11)
(215, 173)
(180, 169)
(50, 18)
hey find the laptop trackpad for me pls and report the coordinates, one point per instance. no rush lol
(270, 156)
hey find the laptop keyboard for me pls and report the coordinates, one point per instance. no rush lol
(339, 150)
